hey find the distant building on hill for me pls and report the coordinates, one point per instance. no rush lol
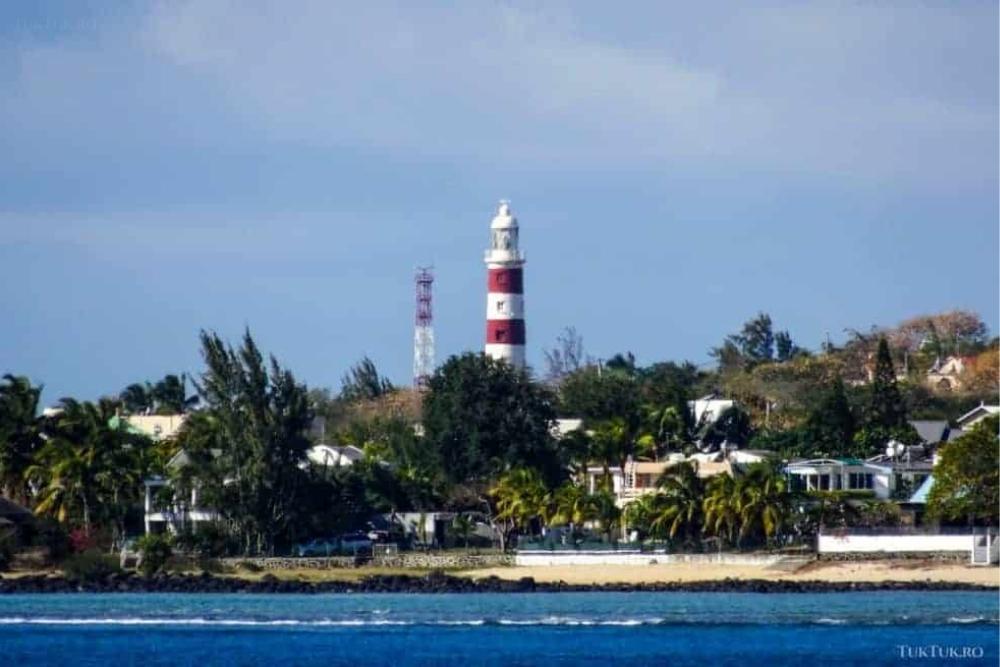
(947, 374)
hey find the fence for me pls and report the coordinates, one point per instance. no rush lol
(981, 548)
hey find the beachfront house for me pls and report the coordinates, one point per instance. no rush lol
(166, 509)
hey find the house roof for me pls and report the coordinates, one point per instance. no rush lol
(931, 431)
(920, 495)
(977, 413)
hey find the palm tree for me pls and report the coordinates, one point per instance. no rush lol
(670, 427)
(20, 434)
(610, 445)
(678, 509)
(88, 470)
(137, 398)
(170, 395)
(763, 502)
(520, 497)
(569, 504)
(606, 512)
(722, 518)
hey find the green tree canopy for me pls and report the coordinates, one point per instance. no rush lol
(482, 417)
(967, 477)
(20, 433)
(260, 415)
(830, 426)
(363, 383)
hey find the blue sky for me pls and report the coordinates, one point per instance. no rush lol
(173, 166)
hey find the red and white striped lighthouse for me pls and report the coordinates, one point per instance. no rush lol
(505, 296)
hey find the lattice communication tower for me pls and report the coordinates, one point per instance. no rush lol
(423, 331)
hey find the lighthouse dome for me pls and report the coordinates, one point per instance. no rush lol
(504, 219)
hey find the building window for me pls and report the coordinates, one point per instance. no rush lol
(500, 306)
(860, 480)
(501, 336)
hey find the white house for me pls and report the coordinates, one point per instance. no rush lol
(333, 456)
(707, 409)
(167, 510)
(976, 415)
(841, 475)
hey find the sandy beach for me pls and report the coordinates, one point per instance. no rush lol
(869, 571)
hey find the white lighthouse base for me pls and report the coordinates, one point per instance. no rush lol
(512, 354)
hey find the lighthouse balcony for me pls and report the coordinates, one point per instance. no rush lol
(495, 256)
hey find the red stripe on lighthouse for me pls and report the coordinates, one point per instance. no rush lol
(507, 332)
(506, 281)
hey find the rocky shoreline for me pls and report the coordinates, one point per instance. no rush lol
(438, 582)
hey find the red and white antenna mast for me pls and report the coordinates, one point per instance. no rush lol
(423, 332)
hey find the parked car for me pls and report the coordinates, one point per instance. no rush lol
(318, 547)
(352, 543)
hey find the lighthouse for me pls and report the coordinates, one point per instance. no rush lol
(505, 290)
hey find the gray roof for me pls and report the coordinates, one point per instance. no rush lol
(931, 431)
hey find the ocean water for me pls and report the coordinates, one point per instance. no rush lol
(879, 628)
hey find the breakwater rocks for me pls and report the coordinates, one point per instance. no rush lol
(437, 582)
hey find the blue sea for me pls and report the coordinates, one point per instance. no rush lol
(880, 628)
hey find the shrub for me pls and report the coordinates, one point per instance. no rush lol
(51, 535)
(154, 552)
(90, 566)
(81, 540)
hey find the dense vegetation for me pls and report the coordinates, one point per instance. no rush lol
(481, 440)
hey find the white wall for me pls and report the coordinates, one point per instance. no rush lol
(893, 543)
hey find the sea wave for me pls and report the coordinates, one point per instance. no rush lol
(570, 621)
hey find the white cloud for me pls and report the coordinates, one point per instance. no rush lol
(876, 94)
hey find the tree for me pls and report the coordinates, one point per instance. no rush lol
(167, 397)
(261, 415)
(967, 477)
(570, 504)
(732, 426)
(519, 497)
(566, 357)
(763, 502)
(757, 343)
(597, 394)
(886, 408)
(171, 397)
(88, 470)
(720, 505)
(20, 434)
(483, 417)
(785, 349)
(885, 418)
(362, 382)
(830, 426)
(678, 504)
